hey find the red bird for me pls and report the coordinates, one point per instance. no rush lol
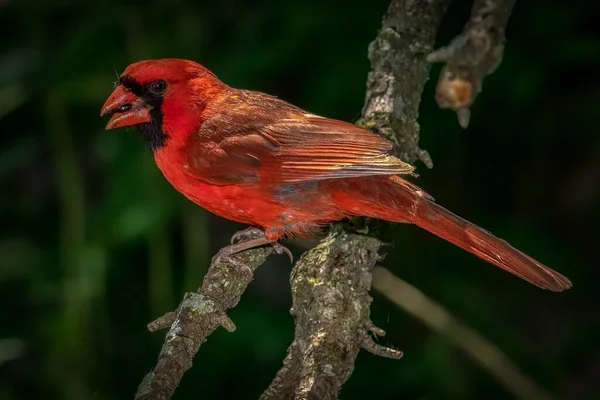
(255, 159)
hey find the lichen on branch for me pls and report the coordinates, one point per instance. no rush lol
(330, 304)
(198, 315)
(399, 72)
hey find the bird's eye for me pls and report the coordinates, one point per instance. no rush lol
(157, 87)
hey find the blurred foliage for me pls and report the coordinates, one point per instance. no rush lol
(95, 243)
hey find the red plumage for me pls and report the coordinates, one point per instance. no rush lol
(255, 159)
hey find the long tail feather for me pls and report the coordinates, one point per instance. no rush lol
(407, 203)
(443, 223)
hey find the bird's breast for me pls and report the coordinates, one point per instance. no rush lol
(220, 200)
(286, 208)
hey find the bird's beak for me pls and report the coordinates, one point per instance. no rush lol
(127, 108)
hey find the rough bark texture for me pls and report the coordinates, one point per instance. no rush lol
(399, 73)
(330, 292)
(198, 315)
(471, 56)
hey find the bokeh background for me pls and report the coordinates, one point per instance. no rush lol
(94, 243)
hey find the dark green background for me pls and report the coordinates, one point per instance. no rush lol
(95, 243)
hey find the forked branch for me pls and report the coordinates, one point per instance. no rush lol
(330, 283)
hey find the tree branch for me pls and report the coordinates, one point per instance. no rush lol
(482, 351)
(330, 283)
(399, 73)
(471, 56)
(198, 315)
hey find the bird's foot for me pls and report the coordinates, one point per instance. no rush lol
(254, 237)
(227, 253)
(244, 235)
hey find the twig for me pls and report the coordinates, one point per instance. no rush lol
(483, 352)
(379, 350)
(198, 315)
(471, 56)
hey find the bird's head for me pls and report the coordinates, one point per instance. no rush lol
(164, 99)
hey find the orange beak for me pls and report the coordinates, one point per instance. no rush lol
(127, 109)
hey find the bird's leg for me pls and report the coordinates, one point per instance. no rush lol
(247, 239)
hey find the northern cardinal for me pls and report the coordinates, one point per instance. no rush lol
(253, 158)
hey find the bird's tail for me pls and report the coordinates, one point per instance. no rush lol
(394, 199)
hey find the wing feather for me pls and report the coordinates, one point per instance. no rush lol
(263, 138)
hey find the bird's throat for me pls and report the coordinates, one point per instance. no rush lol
(152, 132)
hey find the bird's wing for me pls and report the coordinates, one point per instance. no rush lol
(269, 140)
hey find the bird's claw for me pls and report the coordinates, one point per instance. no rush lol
(251, 232)
(280, 249)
